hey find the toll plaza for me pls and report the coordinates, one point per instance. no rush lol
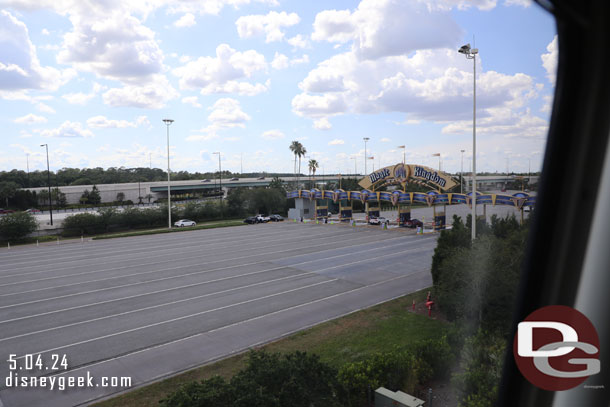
(399, 175)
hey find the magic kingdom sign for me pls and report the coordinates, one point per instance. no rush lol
(404, 173)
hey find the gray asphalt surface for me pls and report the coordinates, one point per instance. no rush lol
(150, 306)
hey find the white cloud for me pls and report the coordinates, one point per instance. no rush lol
(43, 107)
(30, 119)
(213, 7)
(152, 95)
(221, 74)
(336, 142)
(504, 122)
(114, 45)
(549, 60)
(191, 100)
(67, 129)
(280, 61)
(333, 26)
(548, 104)
(385, 140)
(298, 41)
(380, 28)
(322, 124)
(303, 60)
(522, 3)
(81, 98)
(429, 85)
(78, 98)
(226, 113)
(187, 20)
(20, 67)
(103, 122)
(273, 135)
(44, 31)
(270, 25)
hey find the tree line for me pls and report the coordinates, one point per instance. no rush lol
(475, 285)
(112, 175)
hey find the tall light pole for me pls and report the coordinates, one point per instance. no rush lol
(49, 182)
(471, 53)
(27, 163)
(365, 155)
(404, 153)
(220, 180)
(168, 122)
(462, 173)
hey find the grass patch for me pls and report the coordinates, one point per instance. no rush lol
(347, 339)
(32, 240)
(214, 225)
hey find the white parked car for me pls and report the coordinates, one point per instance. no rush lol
(262, 219)
(378, 220)
(184, 222)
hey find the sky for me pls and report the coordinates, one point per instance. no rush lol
(95, 79)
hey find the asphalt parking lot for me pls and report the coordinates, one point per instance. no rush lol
(150, 306)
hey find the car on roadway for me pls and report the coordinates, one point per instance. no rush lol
(5, 211)
(184, 223)
(413, 223)
(33, 210)
(206, 180)
(378, 220)
(262, 218)
(251, 220)
(234, 179)
(261, 178)
(275, 218)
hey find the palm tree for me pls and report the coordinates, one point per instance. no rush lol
(300, 153)
(313, 166)
(295, 146)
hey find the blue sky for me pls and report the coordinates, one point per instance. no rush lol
(94, 79)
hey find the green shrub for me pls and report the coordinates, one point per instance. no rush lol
(297, 379)
(437, 356)
(83, 224)
(397, 370)
(17, 226)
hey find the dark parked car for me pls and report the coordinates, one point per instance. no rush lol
(414, 223)
(251, 220)
(276, 218)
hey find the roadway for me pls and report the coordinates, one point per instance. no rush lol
(148, 307)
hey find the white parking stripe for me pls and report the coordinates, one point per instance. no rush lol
(182, 317)
(175, 288)
(202, 254)
(178, 248)
(220, 308)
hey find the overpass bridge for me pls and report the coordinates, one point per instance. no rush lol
(158, 189)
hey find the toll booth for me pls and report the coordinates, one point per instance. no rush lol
(321, 212)
(404, 214)
(345, 213)
(440, 220)
(372, 211)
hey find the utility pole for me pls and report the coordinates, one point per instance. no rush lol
(168, 122)
(49, 184)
